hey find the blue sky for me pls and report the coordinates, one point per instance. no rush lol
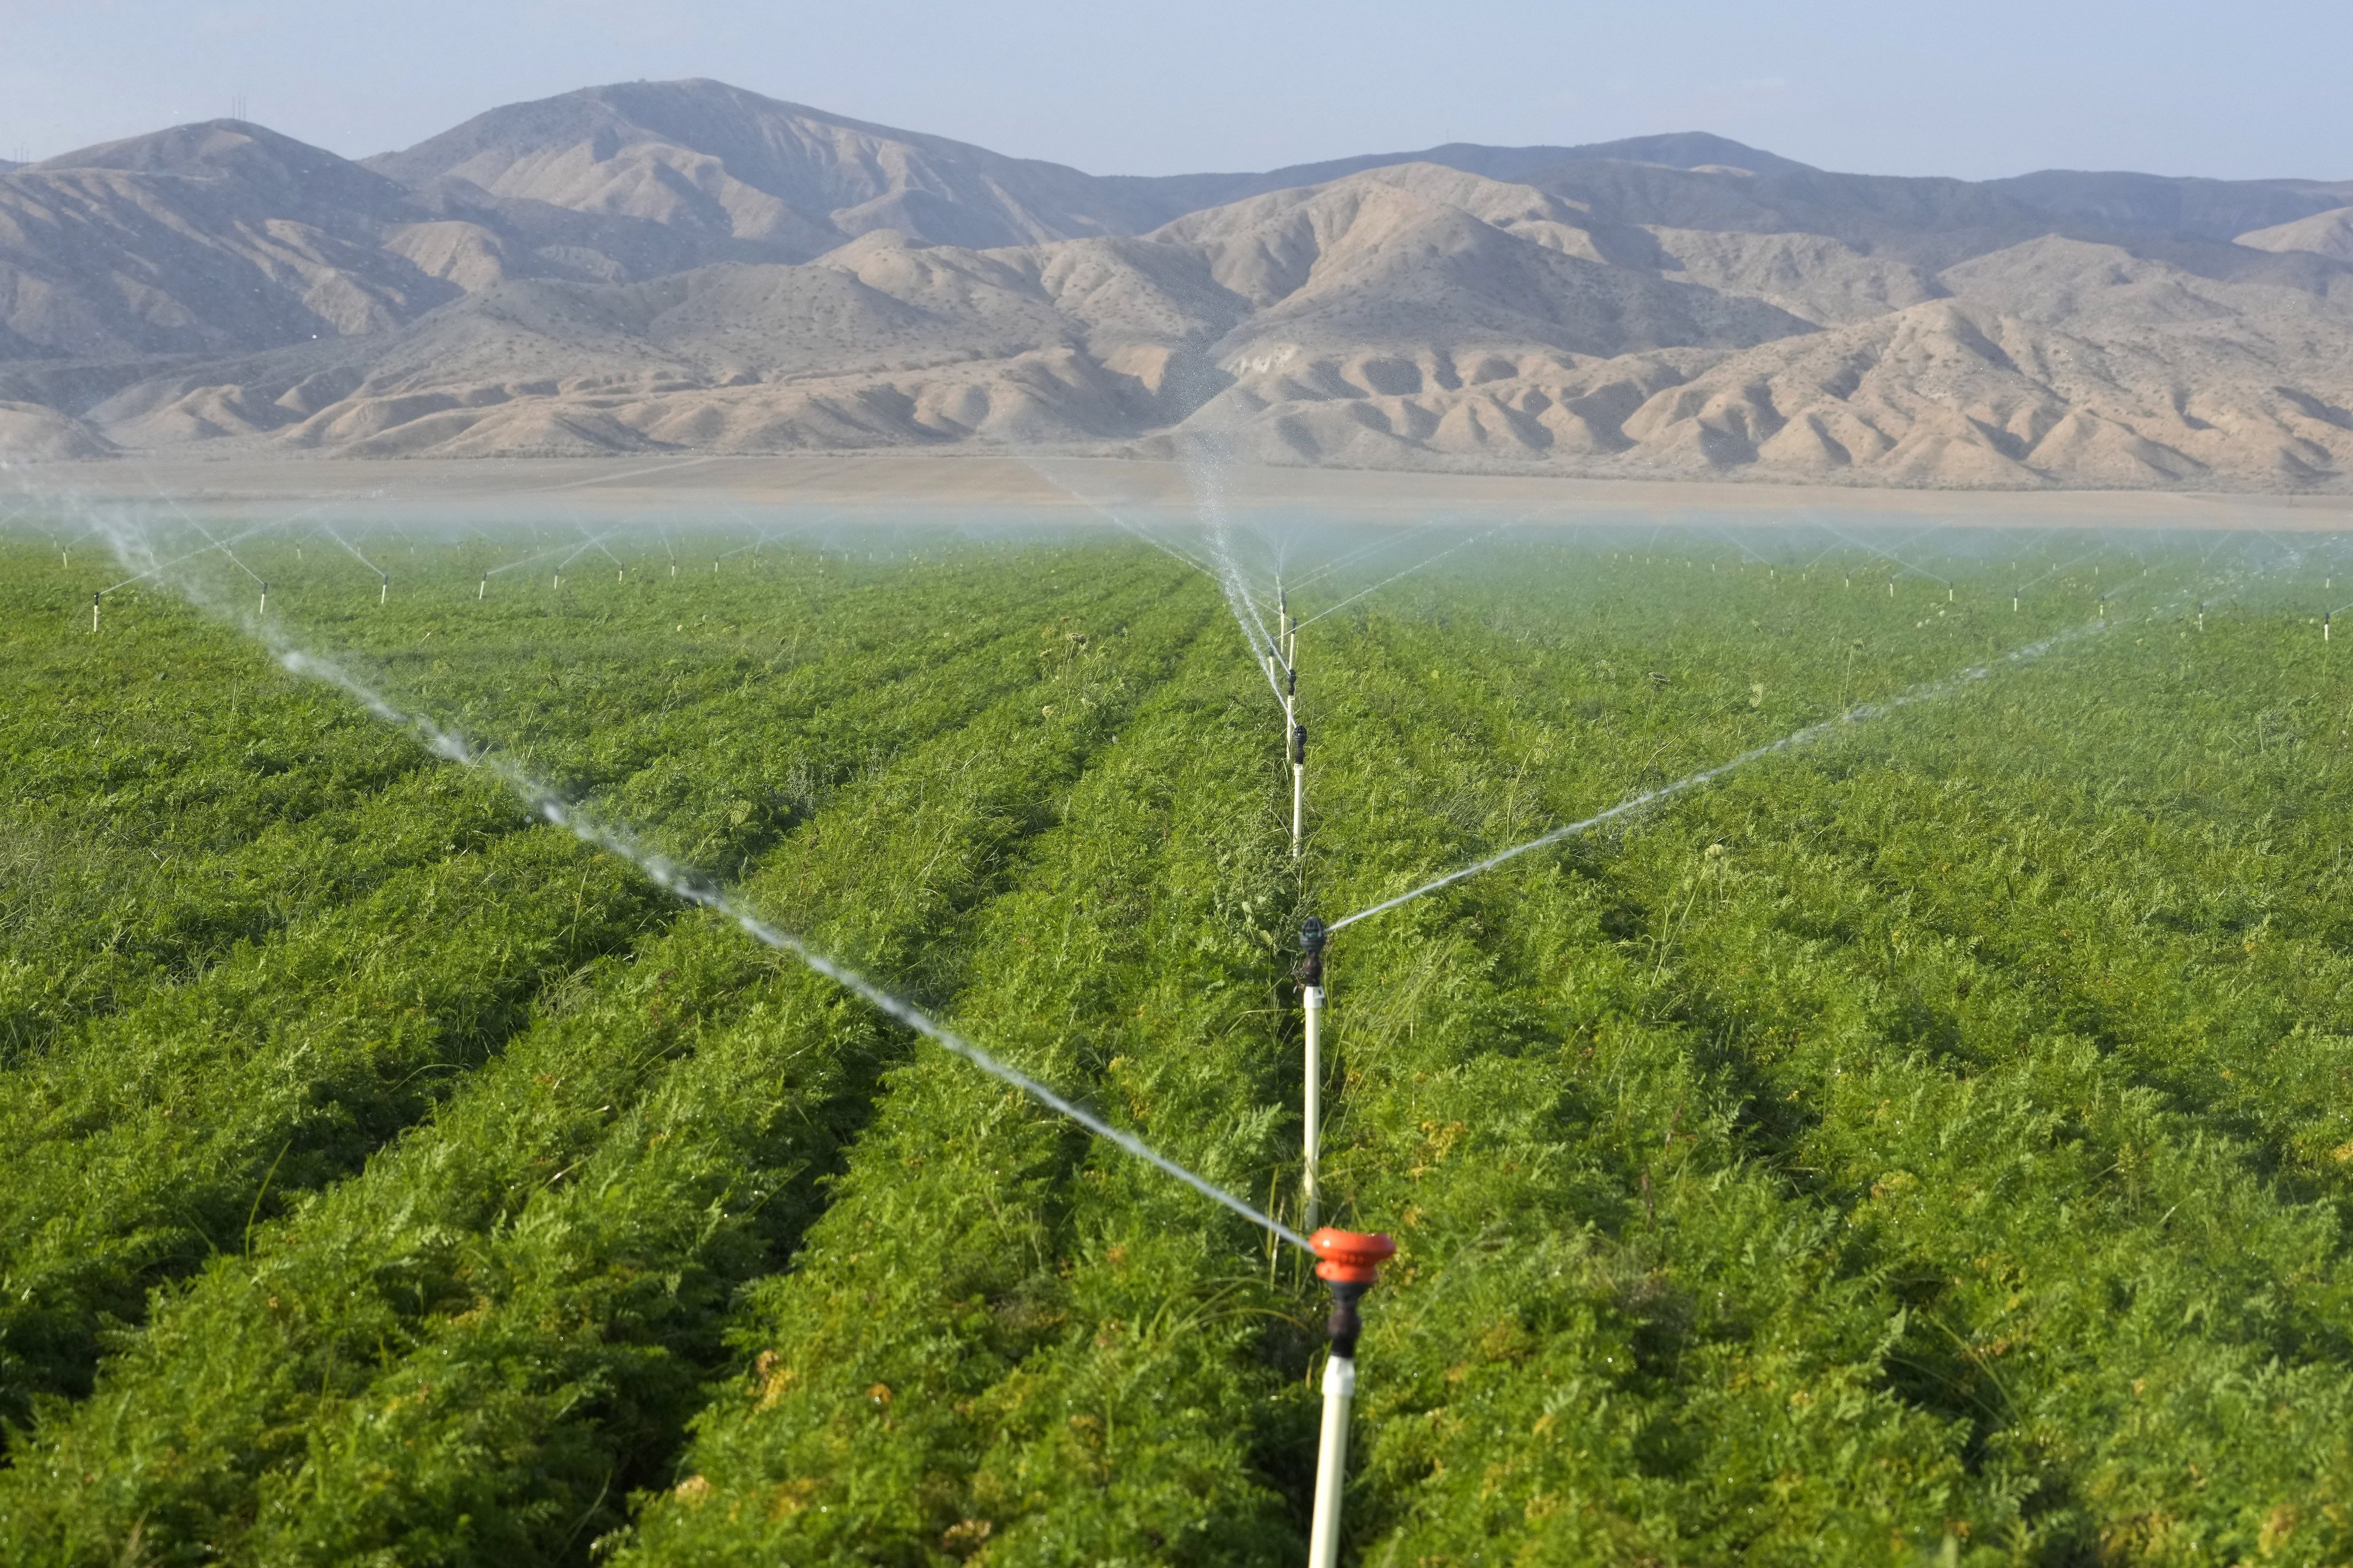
(1999, 87)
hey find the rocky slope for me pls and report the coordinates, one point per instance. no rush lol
(686, 266)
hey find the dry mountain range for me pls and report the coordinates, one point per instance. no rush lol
(686, 266)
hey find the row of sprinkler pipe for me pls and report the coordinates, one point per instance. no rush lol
(482, 591)
(1348, 1261)
(384, 596)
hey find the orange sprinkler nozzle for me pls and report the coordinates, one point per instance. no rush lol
(1351, 1264)
(1351, 1257)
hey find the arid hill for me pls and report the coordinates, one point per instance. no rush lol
(688, 267)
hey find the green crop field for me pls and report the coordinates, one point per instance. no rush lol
(1929, 1141)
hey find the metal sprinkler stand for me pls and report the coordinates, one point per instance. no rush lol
(1310, 1003)
(1351, 1264)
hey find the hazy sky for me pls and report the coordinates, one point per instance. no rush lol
(1998, 87)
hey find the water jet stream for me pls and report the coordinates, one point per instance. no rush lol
(694, 887)
(1804, 737)
(1408, 571)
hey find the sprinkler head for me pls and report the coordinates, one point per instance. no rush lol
(1311, 949)
(1294, 673)
(1350, 1264)
(1299, 745)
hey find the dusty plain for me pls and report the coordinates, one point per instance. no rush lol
(946, 487)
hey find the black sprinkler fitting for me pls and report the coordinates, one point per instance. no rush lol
(1299, 745)
(1343, 1325)
(1311, 947)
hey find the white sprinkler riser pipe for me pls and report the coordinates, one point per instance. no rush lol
(1311, 1133)
(1332, 1462)
(1297, 802)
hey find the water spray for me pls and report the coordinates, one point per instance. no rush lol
(1350, 1264)
(1408, 571)
(692, 888)
(1804, 737)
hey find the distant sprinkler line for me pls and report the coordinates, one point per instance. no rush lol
(526, 561)
(1408, 571)
(1748, 555)
(694, 888)
(1375, 548)
(208, 532)
(182, 560)
(1200, 459)
(591, 541)
(1174, 552)
(355, 554)
(1890, 555)
(742, 548)
(1238, 600)
(1119, 521)
(2063, 566)
(1804, 737)
(1847, 542)
(1137, 530)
